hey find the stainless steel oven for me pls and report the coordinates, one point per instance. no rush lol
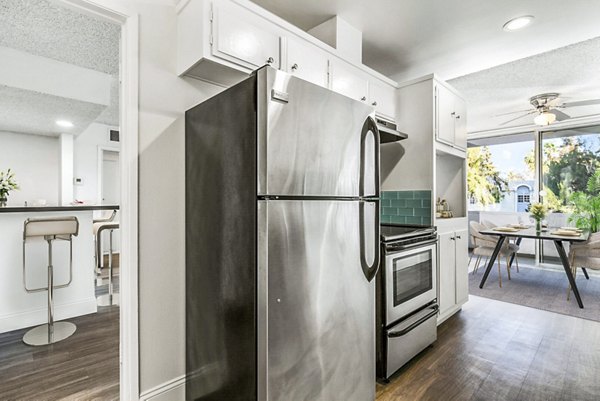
(411, 279)
(406, 295)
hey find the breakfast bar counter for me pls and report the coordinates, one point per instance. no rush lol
(19, 309)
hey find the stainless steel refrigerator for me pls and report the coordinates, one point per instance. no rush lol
(282, 243)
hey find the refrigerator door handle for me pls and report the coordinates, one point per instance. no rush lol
(369, 126)
(369, 270)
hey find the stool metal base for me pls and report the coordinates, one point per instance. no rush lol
(105, 300)
(39, 335)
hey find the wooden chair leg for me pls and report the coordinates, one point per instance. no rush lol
(499, 273)
(517, 261)
(470, 259)
(477, 261)
(507, 266)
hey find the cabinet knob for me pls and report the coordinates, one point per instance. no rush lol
(363, 98)
(453, 238)
(457, 116)
(270, 60)
(294, 67)
(374, 104)
(453, 114)
(458, 237)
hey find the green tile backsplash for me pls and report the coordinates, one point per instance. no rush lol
(406, 207)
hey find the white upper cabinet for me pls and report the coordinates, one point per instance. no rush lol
(460, 129)
(450, 118)
(243, 37)
(383, 97)
(349, 80)
(306, 61)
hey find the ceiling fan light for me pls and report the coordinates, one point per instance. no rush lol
(544, 119)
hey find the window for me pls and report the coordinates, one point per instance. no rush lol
(499, 170)
(569, 158)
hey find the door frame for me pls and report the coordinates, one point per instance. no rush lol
(129, 126)
(101, 150)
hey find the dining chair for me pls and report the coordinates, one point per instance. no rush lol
(585, 255)
(485, 245)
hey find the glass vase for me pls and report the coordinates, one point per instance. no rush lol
(538, 226)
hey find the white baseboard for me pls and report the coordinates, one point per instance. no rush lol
(173, 390)
(39, 316)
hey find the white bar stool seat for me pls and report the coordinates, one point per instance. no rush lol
(51, 229)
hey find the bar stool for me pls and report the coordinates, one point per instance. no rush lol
(112, 298)
(97, 223)
(52, 229)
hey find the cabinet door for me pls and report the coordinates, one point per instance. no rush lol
(349, 81)
(382, 97)
(460, 127)
(243, 37)
(445, 115)
(446, 265)
(307, 62)
(462, 270)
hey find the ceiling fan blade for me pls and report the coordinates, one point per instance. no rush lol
(560, 116)
(512, 112)
(517, 118)
(588, 102)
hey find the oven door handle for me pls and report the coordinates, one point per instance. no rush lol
(410, 246)
(406, 330)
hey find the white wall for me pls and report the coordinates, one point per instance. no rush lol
(164, 97)
(35, 161)
(86, 160)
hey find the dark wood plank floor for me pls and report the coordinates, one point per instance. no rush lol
(499, 351)
(82, 367)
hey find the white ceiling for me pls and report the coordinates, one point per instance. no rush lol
(405, 39)
(28, 112)
(43, 28)
(572, 71)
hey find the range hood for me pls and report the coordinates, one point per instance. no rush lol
(388, 131)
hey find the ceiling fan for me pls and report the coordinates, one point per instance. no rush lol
(547, 109)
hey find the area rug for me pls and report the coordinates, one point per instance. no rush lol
(540, 288)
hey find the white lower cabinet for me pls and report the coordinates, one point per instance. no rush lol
(453, 283)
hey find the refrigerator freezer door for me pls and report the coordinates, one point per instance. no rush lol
(319, 306)
(310, 140)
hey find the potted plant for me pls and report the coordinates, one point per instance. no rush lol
(537, 211)
(7, 184)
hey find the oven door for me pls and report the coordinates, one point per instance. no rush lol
(410, 281)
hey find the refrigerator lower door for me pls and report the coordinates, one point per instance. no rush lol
(316, 316)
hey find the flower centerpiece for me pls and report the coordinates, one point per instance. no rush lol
(537, 211)
(7, 184)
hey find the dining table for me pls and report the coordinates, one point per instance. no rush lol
(557, 235)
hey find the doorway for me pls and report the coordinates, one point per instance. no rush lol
(125, 370)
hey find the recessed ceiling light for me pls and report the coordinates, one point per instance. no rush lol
(517, 23)
(64, 123)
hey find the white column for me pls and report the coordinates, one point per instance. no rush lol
(66, 169)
